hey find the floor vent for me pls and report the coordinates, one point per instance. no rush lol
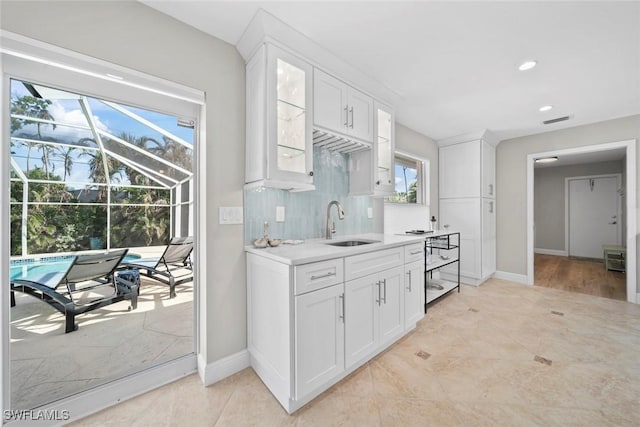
(542, 360)
(556, 120)
(423, 355)
(557, 313)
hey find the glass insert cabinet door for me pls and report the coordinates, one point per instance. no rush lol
(290, 148)
(384, 148)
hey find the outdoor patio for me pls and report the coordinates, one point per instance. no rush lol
(111, 342)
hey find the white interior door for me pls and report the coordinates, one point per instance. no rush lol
(594, 215)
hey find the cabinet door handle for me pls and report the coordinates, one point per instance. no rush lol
(341, 316)
(351, 110)
(409, 273)
(378, 284)
(490, 207)
(384, 283)
(491, 189)
(322, 276)
(346, 115)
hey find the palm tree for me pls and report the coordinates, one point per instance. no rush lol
(65, 154)
(37, 108)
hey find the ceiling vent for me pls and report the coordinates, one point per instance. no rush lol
(556, 120)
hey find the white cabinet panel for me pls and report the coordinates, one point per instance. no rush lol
(329, 102)
(319, 349)
(392, 304)
(488, 170)
(459, 170)
(488, 237)
(464, 216)
(362, 300)
(414, 252)
(360, 123)
(467, 172)
(316, 275)
(341, 108)
(372, 262)
(414, 293)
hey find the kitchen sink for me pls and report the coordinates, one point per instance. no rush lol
(352, 242)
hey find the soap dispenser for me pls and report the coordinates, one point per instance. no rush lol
(434, 223)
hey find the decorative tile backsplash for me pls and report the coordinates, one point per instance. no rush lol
(305, 212)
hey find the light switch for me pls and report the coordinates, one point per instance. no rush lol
(230, 215)
(369, 213)
(279, 213)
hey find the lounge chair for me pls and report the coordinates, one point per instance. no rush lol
(87, 272)
(176, 256)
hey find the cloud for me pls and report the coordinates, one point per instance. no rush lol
(64, 115)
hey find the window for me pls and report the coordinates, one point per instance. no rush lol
(409, 180)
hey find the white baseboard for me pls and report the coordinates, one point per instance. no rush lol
(555, 252)
(512, 277)
(220, 369)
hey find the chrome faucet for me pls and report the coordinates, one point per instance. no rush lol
(332, 229)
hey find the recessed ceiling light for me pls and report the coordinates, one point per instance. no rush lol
(547, 159)
(546, 108)
(527, 65)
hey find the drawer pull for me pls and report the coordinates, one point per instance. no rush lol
(384, 283)
(322, 276)
(416, 252)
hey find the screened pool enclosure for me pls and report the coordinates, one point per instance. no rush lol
(87, 173)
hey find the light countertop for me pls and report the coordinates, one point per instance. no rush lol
(318, 250)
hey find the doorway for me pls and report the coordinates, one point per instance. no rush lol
(593, 208)
(628, 188)
(131, 127)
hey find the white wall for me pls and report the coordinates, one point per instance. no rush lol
(549, 199)
(133, 35)
(398, 217)
(511, 170)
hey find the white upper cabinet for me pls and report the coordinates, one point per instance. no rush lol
(279, 114)
(383, 150)
(340, 108)
(460, 170)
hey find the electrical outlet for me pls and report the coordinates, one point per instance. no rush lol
(279, 213)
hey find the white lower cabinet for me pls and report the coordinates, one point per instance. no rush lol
(374, 307)
(361, 307)
(414, 293)
(319, 347)
(308, 328)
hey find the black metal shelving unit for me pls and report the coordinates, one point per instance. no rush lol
(449, 242)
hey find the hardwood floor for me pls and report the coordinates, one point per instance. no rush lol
(582, 276)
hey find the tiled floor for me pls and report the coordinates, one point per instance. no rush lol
(479, 370)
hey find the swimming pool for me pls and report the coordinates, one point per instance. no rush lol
(46, 269)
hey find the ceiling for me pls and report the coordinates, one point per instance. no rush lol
(454, 64)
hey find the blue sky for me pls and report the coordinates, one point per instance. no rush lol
(411, 177)
(106, 118)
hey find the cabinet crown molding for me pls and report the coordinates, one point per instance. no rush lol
(266, 28)
(484, 134)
